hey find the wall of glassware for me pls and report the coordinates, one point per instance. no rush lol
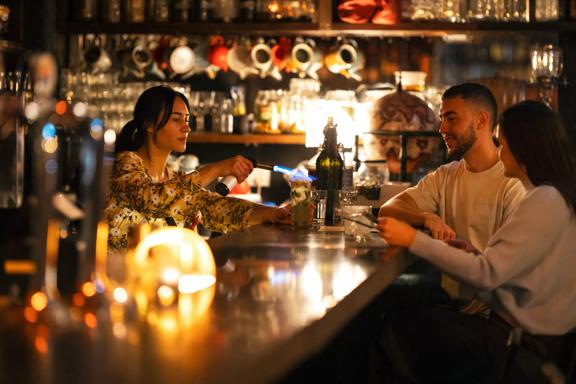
(283, 84)
(352, 11)
(135, 11)
(455, 11)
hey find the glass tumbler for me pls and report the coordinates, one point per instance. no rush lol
(354, 218)
(319, 207)
(301, 200)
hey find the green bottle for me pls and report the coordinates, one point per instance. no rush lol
(329, 171)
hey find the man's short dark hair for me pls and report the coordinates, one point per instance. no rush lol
(477, 93)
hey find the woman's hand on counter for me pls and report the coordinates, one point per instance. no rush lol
(438, 228)
(396, 232)
(263, 214)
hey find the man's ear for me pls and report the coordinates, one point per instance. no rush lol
(482, 120)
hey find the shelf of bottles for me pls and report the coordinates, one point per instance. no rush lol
(186, 16)
(317, 17)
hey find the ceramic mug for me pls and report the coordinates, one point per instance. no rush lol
(141, 56)
(240, 59)
(218, 54)
(261, 55)
(302, 54)
(182, 59)
(96, 57)
(353, 71)
(305, 58)
(341, 58)
(280, 52)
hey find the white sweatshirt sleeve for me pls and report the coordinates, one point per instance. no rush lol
(515, 249)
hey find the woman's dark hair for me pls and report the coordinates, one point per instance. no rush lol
(538, 141)
(154, 107)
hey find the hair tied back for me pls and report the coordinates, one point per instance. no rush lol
(134, 134)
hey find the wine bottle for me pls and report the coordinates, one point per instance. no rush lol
(329, 171)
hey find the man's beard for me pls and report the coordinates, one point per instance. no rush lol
(463, 145)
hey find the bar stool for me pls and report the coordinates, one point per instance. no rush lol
(522, 363)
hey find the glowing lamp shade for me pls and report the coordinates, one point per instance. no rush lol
(178, 255)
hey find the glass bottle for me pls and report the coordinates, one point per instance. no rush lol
(135, 11)
(329, 172)
(247, 10)
(227, 119)
(262, 111)
(547, 10)
(85, 10)
(158, 10)
(181, 10)
(111, 11)
(205, 10)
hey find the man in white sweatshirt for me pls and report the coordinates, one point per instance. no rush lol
(469, 198)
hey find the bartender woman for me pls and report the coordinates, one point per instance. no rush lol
(144, 190)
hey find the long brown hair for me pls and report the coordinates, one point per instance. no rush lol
(538, 140)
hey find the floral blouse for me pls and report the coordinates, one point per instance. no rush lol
(135, 198)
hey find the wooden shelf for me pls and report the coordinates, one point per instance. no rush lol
(193, 28)
(431, 29)
(219, 138)
(464, 27)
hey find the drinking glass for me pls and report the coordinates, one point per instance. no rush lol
(354, 215)
(318, 197)
(546, 10)
(301, 200)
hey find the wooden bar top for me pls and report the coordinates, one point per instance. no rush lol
(280, 296)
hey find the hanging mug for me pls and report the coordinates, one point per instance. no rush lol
(161, 53)
(96, 56)
(123, 47)
(201, 49)
(218, 55)
(281, 52)
(182, 58)
(261, 55)
(302, 54)
(240, 59)
(305, 58)
(353, 71)
(342, 57)
(141, 57)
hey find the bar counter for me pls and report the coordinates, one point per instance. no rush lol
(280, 296)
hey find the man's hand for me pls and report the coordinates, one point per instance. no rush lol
(396, 232)
(438, 228)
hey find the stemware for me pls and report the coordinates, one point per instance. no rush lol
(547, 66)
